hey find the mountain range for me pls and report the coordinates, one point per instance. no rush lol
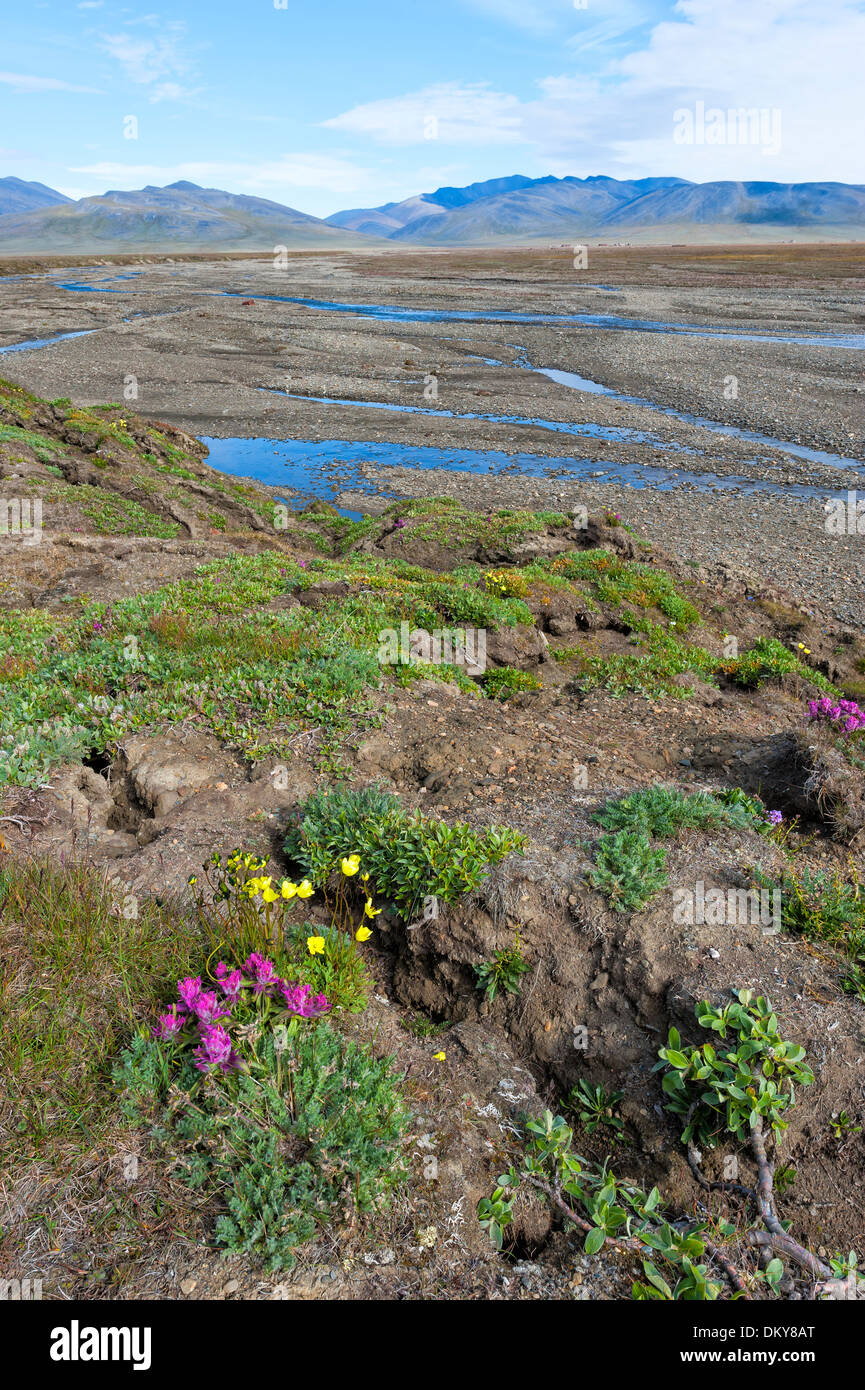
(180, 216)
(523, 209)
(183, 216)
(18, 196)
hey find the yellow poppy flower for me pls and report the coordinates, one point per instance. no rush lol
(316, 945)
(369, 910)
(363, 934)
(438, 1056)
(288, 889)
(305, 889)
(269, 895)
(350, 865)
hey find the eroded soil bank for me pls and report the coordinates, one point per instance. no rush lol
(609, 671)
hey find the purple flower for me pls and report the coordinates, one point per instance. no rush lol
(300, 1000)
(215, 1050)
(208, 1007)
(775, 817)
(169, 1026)
(263, 972)
(846, 714)
(230, 981)
(189, 990)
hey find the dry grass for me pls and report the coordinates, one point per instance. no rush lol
(81, 964)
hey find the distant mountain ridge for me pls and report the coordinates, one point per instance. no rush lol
(16, 195)
(181, 215)
(520, 208)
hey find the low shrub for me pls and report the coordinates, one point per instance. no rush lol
(502, 682)
(627, 870)
(661, 812)
(504, 971)
(275, 1115)
(408, 856)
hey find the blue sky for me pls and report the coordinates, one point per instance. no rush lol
(327, 104)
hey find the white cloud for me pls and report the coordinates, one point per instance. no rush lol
(452, 113)
(23, 82)
(157, 62)
(301, 170)
(788, 56)
(537, 16)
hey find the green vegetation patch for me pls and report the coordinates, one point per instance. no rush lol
(303, 1123)
(80, 967)
(408, 857)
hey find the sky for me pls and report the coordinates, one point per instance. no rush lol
(332, 104)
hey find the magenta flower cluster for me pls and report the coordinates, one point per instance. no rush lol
(846, 714)
(209, 1013)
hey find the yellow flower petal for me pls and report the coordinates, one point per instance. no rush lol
(369, 910)
(305, 889)
(288, 889)
(316, 945)
(350, 865)
(438, 1056)
(363, 934)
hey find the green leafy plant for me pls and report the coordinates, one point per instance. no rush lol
(739, 1090)
(504, 971)
(503, 681)
(627, 870)
(662, 811)
(821, 905)
(606, 1209)
(408, 856)
(597, 1107)
(307, 1125)
(785, 1178)
(841, 1125)
(768, 660)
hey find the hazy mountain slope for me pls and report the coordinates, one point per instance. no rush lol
(390, 217)
(16, 195)
(792, 204)
(180, 215)
(522, 209)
